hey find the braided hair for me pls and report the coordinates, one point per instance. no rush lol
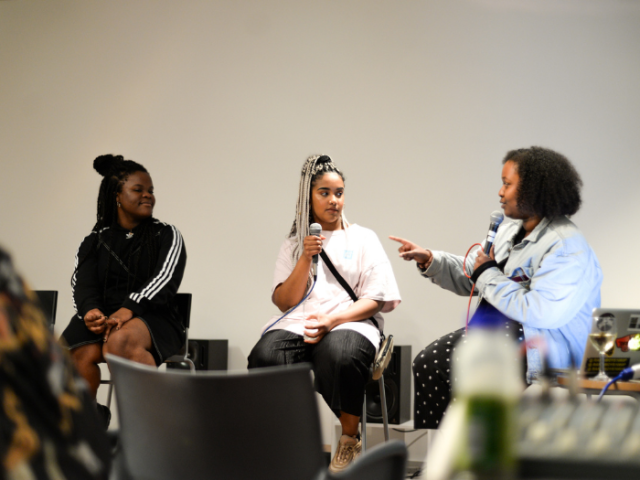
(312, 170)
(115, 171)
(549, 184)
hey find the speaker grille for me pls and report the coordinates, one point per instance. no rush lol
(374, 402)
(397, 388)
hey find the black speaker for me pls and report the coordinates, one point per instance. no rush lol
(209, 354)
(397, 388)
(206, 355)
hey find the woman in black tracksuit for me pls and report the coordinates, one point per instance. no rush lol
(127, 273)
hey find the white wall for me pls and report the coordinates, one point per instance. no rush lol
(417, 101)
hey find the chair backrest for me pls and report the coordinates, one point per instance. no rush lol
(261, 424)
(183, 302)
(49, 303)
(387, 461)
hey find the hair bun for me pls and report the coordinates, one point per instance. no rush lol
(105, 164)
(323, 159)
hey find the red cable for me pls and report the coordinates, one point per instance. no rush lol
(473, 287)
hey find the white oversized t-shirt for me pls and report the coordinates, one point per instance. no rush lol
(359, 257)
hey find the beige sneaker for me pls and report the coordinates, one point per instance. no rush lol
(348, 450)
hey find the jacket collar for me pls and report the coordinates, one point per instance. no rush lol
(535, 234)
(540, 228)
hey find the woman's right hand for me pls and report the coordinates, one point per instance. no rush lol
(412, 251)
(95, 321)
(292, 290)
(312, 245)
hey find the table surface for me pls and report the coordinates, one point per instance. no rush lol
(592, 386)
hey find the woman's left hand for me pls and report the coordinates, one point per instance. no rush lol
(117, 320)
(483, 258)
(317, 326)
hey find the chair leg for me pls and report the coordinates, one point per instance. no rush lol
(363, 420)
(109, 395)
(192, 367)
(385, 413)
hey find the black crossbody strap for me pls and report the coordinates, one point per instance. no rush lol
(343, 282)
(102, 243)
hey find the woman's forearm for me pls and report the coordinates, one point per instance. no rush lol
(293, 289)
(359, 310)
(318, 325)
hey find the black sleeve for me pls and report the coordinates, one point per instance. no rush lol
(485, 266)
(167, 275)
(85, 283)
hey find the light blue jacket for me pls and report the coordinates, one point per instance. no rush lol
(551, 284)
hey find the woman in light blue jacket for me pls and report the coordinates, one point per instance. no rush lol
(541, 274)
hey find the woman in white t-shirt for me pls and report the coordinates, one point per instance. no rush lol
(328, 329)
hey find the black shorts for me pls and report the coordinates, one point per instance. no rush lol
(167, 334)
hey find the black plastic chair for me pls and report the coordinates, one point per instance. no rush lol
(49, 303)
(229, 426)
(387, 461)
(183, 302)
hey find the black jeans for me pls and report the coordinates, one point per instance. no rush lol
(340, 362)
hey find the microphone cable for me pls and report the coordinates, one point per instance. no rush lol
(314, 229)
(626, 374)
(292, 308)
(473, 287)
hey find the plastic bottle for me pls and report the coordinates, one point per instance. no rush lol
(487, 373)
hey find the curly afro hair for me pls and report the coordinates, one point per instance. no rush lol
(549, 183)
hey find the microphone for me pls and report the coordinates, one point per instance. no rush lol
(496, 219)
(315, 229)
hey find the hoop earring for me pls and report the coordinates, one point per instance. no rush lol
(118, 204)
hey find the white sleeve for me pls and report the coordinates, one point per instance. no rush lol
(284, 265)
(377, 281)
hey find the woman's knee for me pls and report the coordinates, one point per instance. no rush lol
(265, 355)
(421, 361)
(438, 354)
(259, 357)
(348, 354)
(87, 354)
(342, 360)
(279, 347)
(124, 343)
